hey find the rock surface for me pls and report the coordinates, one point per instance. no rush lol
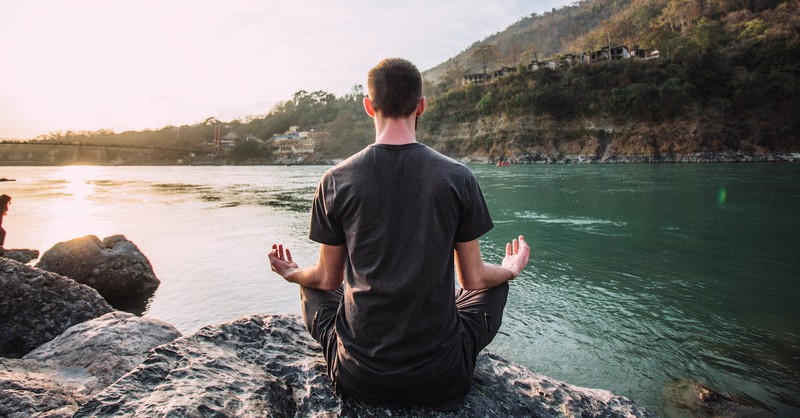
(36, 306)
(689, 398)
(269, 366)
(24, 256)
(105, 348)
(57, 377)
(27, 391)
(114, 267)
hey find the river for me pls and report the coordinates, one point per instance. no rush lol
(644, 278)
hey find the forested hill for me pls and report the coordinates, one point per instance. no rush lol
(534, 37)
(725, 85)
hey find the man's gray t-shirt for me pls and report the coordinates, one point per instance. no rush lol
(399, 209)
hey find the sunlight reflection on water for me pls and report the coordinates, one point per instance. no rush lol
(641, 276)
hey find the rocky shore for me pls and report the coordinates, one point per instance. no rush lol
(704, 157)
(67, 352)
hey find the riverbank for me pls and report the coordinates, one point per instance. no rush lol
(482, 158)
(538, 158)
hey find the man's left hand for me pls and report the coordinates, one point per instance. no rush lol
(281, 261)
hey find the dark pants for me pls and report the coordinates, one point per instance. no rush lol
(480, 312)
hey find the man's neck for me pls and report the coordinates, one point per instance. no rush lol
(395, 131)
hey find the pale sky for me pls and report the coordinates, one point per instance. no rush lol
(145, 64)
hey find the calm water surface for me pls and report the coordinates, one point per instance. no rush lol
(644, 278)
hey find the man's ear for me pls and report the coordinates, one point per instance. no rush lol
(368, 107)
(423, 104)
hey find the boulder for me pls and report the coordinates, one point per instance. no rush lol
(36, 306)
(114, 267)
(104, 348)
(57, 377)
(267, 365)
(27, 391)
(689, 398)
(24, 256)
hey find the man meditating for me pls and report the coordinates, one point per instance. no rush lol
(395, 222)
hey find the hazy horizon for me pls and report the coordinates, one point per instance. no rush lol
(89, 65)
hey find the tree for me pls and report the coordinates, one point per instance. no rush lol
(453, 75)
(512, 54)
(485, 55)
(244, 150)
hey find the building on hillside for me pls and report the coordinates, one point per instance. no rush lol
(228, 141)
(475, 78)
(294, 145)
(504, 71)
(638, 53)
(599, 55)
(553, 64)
(620, 52)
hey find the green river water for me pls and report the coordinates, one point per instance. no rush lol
(645, 279)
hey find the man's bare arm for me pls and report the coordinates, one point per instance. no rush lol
(327, 274)
(475, 274)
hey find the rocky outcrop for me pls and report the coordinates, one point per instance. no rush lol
(36, 306)
(114, 267)
(24, 256)
(269, 366)
(57, 377)
(104, 348)
(26, 390)
(689, 398)
(542, 140)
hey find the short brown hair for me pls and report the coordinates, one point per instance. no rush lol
(395, 87)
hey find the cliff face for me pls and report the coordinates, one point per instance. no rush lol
(541, 139)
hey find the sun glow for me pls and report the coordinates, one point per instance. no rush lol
(80, 210)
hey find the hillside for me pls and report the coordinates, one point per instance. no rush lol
(534, 37)
(725, 87)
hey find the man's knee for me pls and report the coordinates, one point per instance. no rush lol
(481, 313)
(319, 309)
(492, 299)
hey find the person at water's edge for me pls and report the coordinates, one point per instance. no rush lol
(5, 200)
(395, 222)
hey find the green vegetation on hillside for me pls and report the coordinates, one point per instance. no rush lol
(726, 81)
(733, 65)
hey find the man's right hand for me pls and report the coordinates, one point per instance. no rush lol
(517, 254)
(281, 262)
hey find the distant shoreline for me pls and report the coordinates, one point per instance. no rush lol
(517, 160)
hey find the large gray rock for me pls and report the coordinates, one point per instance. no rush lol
(104, 348)
(28, 391)
(269, 366)
(22, 255)
(36, 306)
(57, 377)
(114, 267)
